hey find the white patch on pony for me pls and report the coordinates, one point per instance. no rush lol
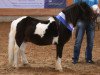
(12, 39)
(51, 19)
(14, 24)
(55, 40)
(96, 8)
(16, 54)
(58, 64)
(59, 60)
(41, 28)
(22, 50)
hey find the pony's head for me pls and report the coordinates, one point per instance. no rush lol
(77, 11)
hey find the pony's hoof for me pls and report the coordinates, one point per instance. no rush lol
(58, 67)
(60, 70)
(15, 66)
(12, 66)
(26, 65)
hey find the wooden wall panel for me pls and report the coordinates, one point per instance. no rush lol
(31, 12)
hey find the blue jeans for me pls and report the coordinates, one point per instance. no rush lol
(82, 27)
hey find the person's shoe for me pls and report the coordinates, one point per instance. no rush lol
(90, 61)
(75, 62)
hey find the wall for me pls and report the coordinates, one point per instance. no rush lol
(11, 14)
(34, 12)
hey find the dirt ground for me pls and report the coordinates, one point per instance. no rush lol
(42, 58)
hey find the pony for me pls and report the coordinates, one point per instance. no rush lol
(57, 30)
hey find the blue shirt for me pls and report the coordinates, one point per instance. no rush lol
(89, 2)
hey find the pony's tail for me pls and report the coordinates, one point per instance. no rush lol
(11, 44)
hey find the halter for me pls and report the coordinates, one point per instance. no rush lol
(61, 18)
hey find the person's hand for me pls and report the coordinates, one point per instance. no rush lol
(96, 9)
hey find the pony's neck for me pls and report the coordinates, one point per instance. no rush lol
(61, 18)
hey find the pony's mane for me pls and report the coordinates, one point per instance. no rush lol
(79, 10)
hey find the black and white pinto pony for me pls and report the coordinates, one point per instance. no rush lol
(56, 30)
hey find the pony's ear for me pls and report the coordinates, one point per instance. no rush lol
(96, 9)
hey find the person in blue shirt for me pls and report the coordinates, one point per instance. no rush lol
(82, 27)
(89, 2)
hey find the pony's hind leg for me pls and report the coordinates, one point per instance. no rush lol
(11, 45)
(16, 54)
(22, 50)
(58, 58)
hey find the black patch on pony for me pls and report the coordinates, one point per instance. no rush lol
(26, 28)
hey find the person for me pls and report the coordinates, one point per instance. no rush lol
(82, 27)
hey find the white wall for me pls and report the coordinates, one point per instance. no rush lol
(11, 18)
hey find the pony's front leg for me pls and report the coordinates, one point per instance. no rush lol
(22, 49)
(16, 54)
(58, 57)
